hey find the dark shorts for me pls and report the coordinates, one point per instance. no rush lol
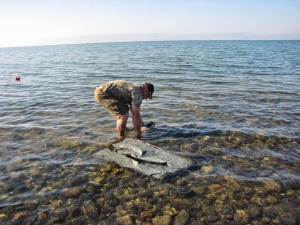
(113, 105)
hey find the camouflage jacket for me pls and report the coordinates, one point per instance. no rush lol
(126, 92)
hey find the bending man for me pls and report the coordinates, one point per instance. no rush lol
(118, 96)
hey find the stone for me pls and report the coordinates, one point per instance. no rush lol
(288, 220)
(90, 210)
(207, 169)
(73, 192)
(273, 186)
(253, 211)
(182, 218)
(147, 214)
(125, 220)
(228, 212)
(197, 222)
(18, 216)
(181, 192)
(3, 216)
(241, 217)
(162, 220)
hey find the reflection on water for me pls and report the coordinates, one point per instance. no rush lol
(231, 107)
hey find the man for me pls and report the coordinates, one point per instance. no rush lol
(118, 96)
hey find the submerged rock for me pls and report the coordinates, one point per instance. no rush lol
(162, 220)
(73, 192)
(273, 186)
(125, 220)
(241, 217)
(182, 218)
(181, 192)
(90, 210)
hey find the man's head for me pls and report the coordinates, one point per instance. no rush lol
(150, 89)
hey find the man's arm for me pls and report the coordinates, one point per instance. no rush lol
(136, 119)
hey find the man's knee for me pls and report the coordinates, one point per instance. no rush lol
(123, 117)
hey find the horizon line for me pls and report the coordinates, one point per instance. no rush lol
(148, 37)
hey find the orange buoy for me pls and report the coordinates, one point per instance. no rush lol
(17, 78)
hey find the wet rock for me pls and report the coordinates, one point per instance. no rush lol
(239, 205)
(145, 215)
(266, 220)
(197, 222)
(272, 200)
(145, 194)
(211, 218)
(90, 210)
(211, 214)
(18, 217)
(78, 220)
(241, 217)
(207, 169)
(73, 192)
(288, 220)
(76, 180)
(3, 217)
(162, 220)
(253, 211)
(268, 214)
(260, 201)
(182, 218)
(273, 186)
(118, 192)
(129, 207)
(59, 214)
(74, 211)
(168, 210)
(207, 201)
(125, 220)
(195, 211)
(181, 192)
(56, 204)
(41, 216)
(228, 212)
(200, 190)
(145, 223)
(255, 222)
(235, 187)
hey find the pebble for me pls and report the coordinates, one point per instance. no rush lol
(241, 217)
(18, 216)
(207, 169)
(273, 186)
(125, 220)
(145, 215)
(181, 192)
(182, 218)
(73, 192)
(90, 210)
(162, 220)
(253, 211)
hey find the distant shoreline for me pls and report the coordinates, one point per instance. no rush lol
(91, 39)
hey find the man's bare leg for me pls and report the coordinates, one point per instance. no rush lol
(121, 125)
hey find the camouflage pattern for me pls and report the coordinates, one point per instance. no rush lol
(125, 92)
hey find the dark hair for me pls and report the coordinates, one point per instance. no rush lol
(150, 88)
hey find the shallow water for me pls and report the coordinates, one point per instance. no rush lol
(230, 106)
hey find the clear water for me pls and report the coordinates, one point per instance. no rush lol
(223, 101)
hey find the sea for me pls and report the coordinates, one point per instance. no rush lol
(231, 107)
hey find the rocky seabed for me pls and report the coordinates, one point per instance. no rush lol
(113, 195)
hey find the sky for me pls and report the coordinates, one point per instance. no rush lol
(28, 22)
